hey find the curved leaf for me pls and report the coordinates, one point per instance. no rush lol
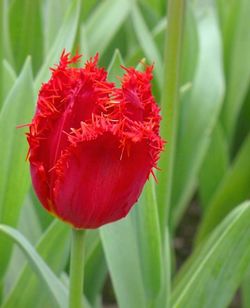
(51, 282)
(215, 270)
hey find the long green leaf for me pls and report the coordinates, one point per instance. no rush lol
(233, 189)
(122, 256)
(214, 166)
(14, 175)
(26, 32)
(245, 291)
(50, 281)
(9, 78)
(104, 22)
(29, 226)
(65, 39)
(199, 112)
(53, 14)
(215, 270)
(150, 242)
(235, 24)
(146, 41)
(27, 290)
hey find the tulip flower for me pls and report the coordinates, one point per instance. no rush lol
(92, 146)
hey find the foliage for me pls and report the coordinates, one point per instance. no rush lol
(211, 163)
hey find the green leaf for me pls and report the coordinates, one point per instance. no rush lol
(245, 291)
(147, 43)
(26, 32)
(233, 189)
(53, 14)
(14, 174)
(149, 242)
(65, 39)
(235, 24)
(214, 166)
(215, 270)
(29, 226)
(104, 22)
(47, 277)
(114, 69)
(122, 256)
(27, 289)
(199, 112)
(9, 78)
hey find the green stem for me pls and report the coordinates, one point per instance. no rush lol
(76, 269)
(169, 104)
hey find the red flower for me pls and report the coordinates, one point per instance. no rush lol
(92, 145)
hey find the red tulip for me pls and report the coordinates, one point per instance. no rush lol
(92, 145)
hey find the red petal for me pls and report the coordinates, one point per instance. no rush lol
(97, 185)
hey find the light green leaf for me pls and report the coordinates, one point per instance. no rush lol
(47, 277)
(104, 22)
(25, 31)
(65, 39)
(114, 69)
(14, 175)
(27, 289)
(233, 189)
(245, 291)
(9, 78)
(53, 14)
(122, 256)
(147, 43)
(29, 226)
(215, 270)
(150, 242)
(199, 112)
(214, 166)
(235, 24)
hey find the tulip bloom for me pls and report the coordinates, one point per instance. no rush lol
(92, 145)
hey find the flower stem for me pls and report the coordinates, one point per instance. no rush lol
(76, 269)
(169, 104)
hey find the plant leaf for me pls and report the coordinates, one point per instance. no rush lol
(14, 175)
(149, 242)
(104, 22)
(199, 113)
(215, 270)
(236, 37)
(27, 289)
(50, 281)
(65, 39)
(233, 189)
(25, 31)
(214, 166)
(147, 43)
